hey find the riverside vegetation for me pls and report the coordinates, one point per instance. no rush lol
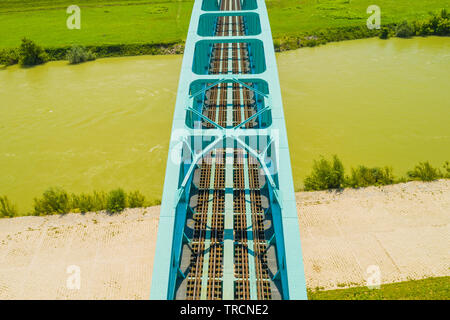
(159, 27)
(78, 54)
(330, 174)
(325, 175)
(28, 54)
(58, 201)
(438, 24)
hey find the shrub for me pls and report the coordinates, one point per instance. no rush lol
(9, 56)
(446, 170)
(326, 175)
(404, 30)
(7, 209)
(425, 172)
(363, 176)
(89, 202)
(78, 54)
(31, 54)
(311, 42)
(277, 45)
(99, 199)
(116, 201)
(54, 200)
(136, 199)
(438, 24)
(83, 203)
(384, 34)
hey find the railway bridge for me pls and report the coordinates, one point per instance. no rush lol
(228, 226)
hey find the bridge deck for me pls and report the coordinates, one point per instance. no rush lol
(227, 229)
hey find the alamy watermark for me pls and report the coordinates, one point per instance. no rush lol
(73, 281)
(74, 20)
(373, 280)
(374, 21)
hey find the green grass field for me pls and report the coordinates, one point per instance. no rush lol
(166, 21)
(102, 22)
(293, 17)
(426, 289)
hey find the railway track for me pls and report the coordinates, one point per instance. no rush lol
(225, 223)
(228, 104)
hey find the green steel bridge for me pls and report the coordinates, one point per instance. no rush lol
(228, 226)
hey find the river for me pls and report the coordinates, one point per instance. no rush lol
(106, 124)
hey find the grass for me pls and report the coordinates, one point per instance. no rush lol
(102, 22)
(296, 18)
(426, 289)
(114, 22)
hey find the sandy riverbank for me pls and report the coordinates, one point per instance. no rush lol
(404, 229)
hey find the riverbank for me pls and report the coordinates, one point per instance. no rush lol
(283, 43)
(71, 126)
(160, 28)
(401, 228)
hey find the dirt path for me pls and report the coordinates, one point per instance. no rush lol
(114, 255)
(404, 229)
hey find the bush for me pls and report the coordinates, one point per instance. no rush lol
(384, 34)
(363, 176)
(446, 170)
(7, 209)
(425, 172)
(326, 175)
(100, 200)
(57, 201)
(116, 201)
(30, 54)
(78, 54)
(9, 56)
(88, 202)
(82, 203)
(311, 42)
(330, 175)
(54, 200)
(404, 30)
(136, 199)
(438, 24)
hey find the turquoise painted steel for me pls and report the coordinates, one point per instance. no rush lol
(271, 136)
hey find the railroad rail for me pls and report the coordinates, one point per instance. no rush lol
(228, 225)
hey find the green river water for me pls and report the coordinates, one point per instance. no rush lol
(106, 124)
